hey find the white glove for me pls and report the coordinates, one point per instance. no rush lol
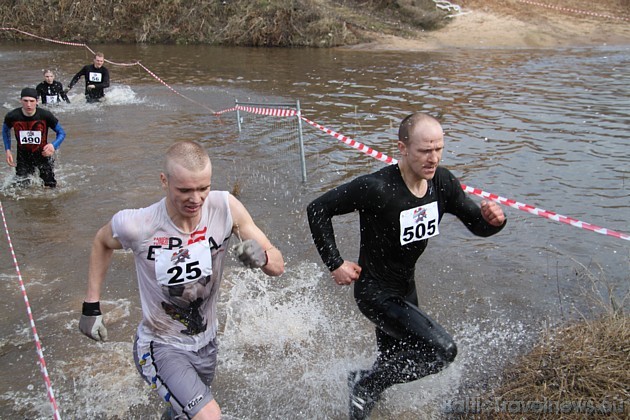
(90, 87)
(251, 254)
(93, 327)
(91, 322)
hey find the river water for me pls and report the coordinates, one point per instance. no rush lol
(547, 128)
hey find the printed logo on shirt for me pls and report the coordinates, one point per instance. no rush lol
(96, 77)
(419, 214)
(30, 137)
(194, 402)
(166, 242)
(161, 241)
(419, 223)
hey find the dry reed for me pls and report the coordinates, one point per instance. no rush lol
(578, 370)
(278, 23)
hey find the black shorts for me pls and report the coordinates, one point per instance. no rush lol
(28, 161)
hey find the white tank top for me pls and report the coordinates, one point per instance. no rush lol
(179, 273)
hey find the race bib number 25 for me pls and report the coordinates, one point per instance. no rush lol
(184, 265)
(419, 223)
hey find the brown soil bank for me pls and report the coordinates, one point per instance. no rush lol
(373, 24)
(524, 24)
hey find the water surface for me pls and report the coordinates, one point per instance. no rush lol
(544, 127)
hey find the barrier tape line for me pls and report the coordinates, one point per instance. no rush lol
(38, 345)
(475, 191)
(580, 12)
(353, 143)
(74, 44)
(545, 213)
(172, 89)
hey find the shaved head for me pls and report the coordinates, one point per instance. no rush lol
(413, 121)
(187, 154)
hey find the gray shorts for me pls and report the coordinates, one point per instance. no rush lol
(180, 377)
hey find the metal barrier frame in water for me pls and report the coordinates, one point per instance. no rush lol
(298, 115)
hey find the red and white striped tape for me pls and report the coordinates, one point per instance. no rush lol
(38, 345)
(353, 143)
(274, 112)
(570, 10)
(156, 77)
(475, 191)
(224, 111)
(545, 213)
(74, 44)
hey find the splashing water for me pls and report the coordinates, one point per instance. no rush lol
(287, 348)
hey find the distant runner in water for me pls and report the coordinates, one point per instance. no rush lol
(180, 244)
(400, 208)
(96, 78)
(30, 125)
(51, 91)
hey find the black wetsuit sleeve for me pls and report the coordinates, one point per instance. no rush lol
(340, 200)
(41, 92)
(62, 94)
(105, 82)
(76, 77)
(466, 210)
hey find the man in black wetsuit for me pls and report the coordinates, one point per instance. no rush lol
(400, 208)
(96, 78)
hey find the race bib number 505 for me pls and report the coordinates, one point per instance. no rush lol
(419, 223)
(184, 265)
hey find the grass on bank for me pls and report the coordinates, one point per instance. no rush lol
(271, 23)
(577, 370)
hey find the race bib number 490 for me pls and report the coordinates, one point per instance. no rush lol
(30, 137)
(176, 267)
(419, 223)
(95, 77)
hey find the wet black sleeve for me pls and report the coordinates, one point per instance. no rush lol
(76, 77)
(41, 92)
(466, 210)
(105, 78)
(60, 91)
(340, 200)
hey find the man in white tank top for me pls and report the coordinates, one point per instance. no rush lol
(179, 244)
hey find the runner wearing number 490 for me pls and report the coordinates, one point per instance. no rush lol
(400, 208)
(180, 244)
(30, 124)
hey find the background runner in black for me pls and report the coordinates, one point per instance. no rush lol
(51, 91)
(96, 78)
(400, 208)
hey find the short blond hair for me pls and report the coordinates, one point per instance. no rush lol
(187, 154)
